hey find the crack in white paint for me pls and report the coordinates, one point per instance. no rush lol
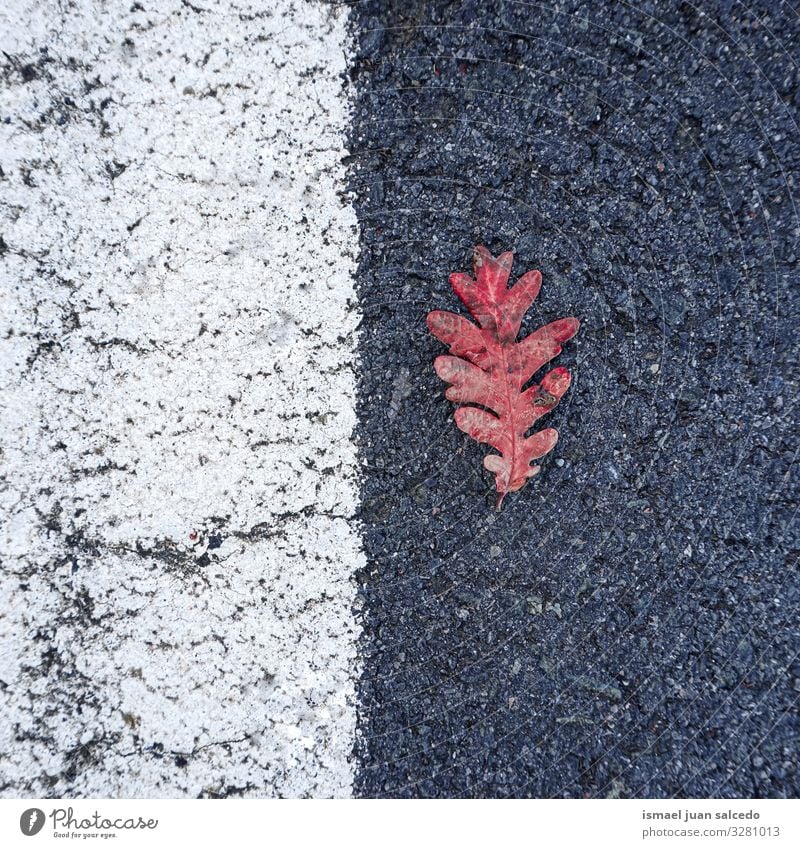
(179, 331)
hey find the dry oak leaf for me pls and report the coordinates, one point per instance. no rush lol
(489, 367)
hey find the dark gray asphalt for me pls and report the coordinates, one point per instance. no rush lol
(627, 626)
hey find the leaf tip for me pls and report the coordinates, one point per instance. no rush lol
(433, 321)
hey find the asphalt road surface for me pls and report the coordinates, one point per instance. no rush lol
(627, 626)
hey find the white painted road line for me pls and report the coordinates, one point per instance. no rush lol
(178, 342)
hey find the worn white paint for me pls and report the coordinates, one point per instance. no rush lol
(178, 329)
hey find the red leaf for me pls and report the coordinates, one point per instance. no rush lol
(489, 367)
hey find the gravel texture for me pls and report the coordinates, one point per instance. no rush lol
(627, 626)
(177, 376)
